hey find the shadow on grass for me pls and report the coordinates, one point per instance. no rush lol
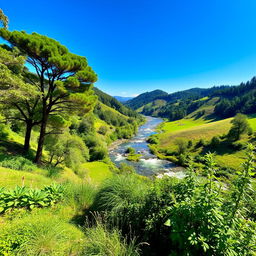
(8, 148)
(225, 147)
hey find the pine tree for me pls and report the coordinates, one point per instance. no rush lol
(65, 79)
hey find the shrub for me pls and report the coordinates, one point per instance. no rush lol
(80, 195)
(200, 143)
(182, 145)
(23, 197)
(103, 130)
(239, 126)
(215, 141)
(153, 139)
(200, 224)
(18, 163)
(126, 169)
(66, 148)
(130, 150)
(91, 140)
(98, 153)
(3, 132)
(190, 144)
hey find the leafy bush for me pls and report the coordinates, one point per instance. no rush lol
(3, 132)
(126, 169)
(23, 197)
(18, 163)
(153, 139)
(200, 224)
(215, 141)
(200, 143)
(91, 140)
(182, 145)
(66, 148)
(103, 130)
(98, 153)
(130, 150)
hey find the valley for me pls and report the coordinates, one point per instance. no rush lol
(84, 173)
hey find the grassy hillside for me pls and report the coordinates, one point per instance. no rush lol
(196, 130)
(192, 130)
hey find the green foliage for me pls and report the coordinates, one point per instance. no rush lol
(98, 153)
(3, 132)
(4, 19)
(80, 195)
(18, 163)
(145, 98)
(103, 130)
(133, 157)
(153, 139)
(126, 169)
(86, 125)
(215, 142)
(41, 235)
(236, 99)
(101, 241)
(59, 93)
(115, 104)
(182, 145)
(23, 197)
(66, 148)
(240, 126)
(200, 143)
(130, 150)
(117, 194)
(91, 140)
(198, 224)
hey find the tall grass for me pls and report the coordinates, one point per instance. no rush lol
(81, 196)
(102, 242)
(41, 235)
(119, 191)
(121, 200)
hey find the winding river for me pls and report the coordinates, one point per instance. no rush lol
(149, 164)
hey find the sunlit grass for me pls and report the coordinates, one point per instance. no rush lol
(11, 178)
(96, 172)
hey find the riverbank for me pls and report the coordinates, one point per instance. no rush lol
(148, 164)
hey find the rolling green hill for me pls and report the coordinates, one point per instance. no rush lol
(145, 98)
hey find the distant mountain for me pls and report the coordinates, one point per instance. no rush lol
(114, 103)
(123, 99)
(174, 105)
(145, 98)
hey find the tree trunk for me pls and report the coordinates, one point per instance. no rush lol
(42, 136)
(27, 136)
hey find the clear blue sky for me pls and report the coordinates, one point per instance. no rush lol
(141, 45)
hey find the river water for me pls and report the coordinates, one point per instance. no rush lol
(149, 164)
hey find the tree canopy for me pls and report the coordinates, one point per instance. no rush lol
(64, 79)
(3, 19)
